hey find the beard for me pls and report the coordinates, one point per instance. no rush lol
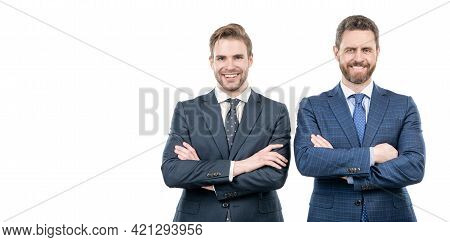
(357, 78)
(231, 87)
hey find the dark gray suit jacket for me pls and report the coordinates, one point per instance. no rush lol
(250, 196)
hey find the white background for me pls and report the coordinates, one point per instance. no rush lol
(70, 74)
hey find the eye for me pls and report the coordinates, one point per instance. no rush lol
(219, 58)
(367, 50)
(349, 51)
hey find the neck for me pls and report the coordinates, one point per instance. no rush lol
(235, 93)
(357, 88)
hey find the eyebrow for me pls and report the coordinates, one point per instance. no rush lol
(237, 55)
(361, 47)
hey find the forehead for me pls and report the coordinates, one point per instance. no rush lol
(229, 47)
(358, 38)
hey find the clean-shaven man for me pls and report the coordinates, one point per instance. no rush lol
(228, 149)
(363, 144)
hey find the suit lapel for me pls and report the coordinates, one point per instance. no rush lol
(250, 115)
(378, 106)
(213, 117)
(340, 109)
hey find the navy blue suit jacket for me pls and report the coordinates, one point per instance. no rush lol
(250, 196)
(392, 119)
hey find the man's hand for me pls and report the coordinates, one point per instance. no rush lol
(320, 142)
(384, 152)
(187, 152)
(210, 188)
(264, 157)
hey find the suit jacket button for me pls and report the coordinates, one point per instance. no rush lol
(209, 175)
(219, 174)
(358, 169)
(235, 194)
(225, 205)
(358, 202)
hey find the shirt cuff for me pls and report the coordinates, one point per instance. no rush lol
(372, 161)
(350, 180)
(230, 176)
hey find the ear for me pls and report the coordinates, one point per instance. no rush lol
(336, 53)
(211, 62)
(250, 60)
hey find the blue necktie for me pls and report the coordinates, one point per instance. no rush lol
(359, 118)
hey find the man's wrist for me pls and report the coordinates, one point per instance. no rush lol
(238, 168)
(231, 174)
(372, 156)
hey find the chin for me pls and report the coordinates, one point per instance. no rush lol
(231, 89)
(359, 80)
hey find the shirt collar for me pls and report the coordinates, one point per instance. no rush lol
(348, 92)
(222, 96)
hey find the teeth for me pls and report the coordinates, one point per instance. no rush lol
(230, 75)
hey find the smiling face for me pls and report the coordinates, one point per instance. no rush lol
(357, 56)
(230, 63)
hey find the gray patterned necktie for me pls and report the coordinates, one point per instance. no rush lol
(231, 121)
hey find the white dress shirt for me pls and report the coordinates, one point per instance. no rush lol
(225, 108)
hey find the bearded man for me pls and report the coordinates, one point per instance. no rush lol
(363, 144)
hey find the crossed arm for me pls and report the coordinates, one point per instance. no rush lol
(264, 157)
(263, 171)
(392, 168)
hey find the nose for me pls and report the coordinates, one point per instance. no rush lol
(358, 56)
(229, 64)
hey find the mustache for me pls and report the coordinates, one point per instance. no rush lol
(359, 63)
(234, 70)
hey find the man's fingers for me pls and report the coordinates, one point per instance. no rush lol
(269, 162)
(182, 150)
(279, 156)
(185, 153)
(319, 141)
(325, 141)
(210, 188)
(192, 151)
(316, 141)
(273, 146)
(177, 152)
(273, 164)
(181, 154)
(274, 158)
(189, 147)
(181, 157)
